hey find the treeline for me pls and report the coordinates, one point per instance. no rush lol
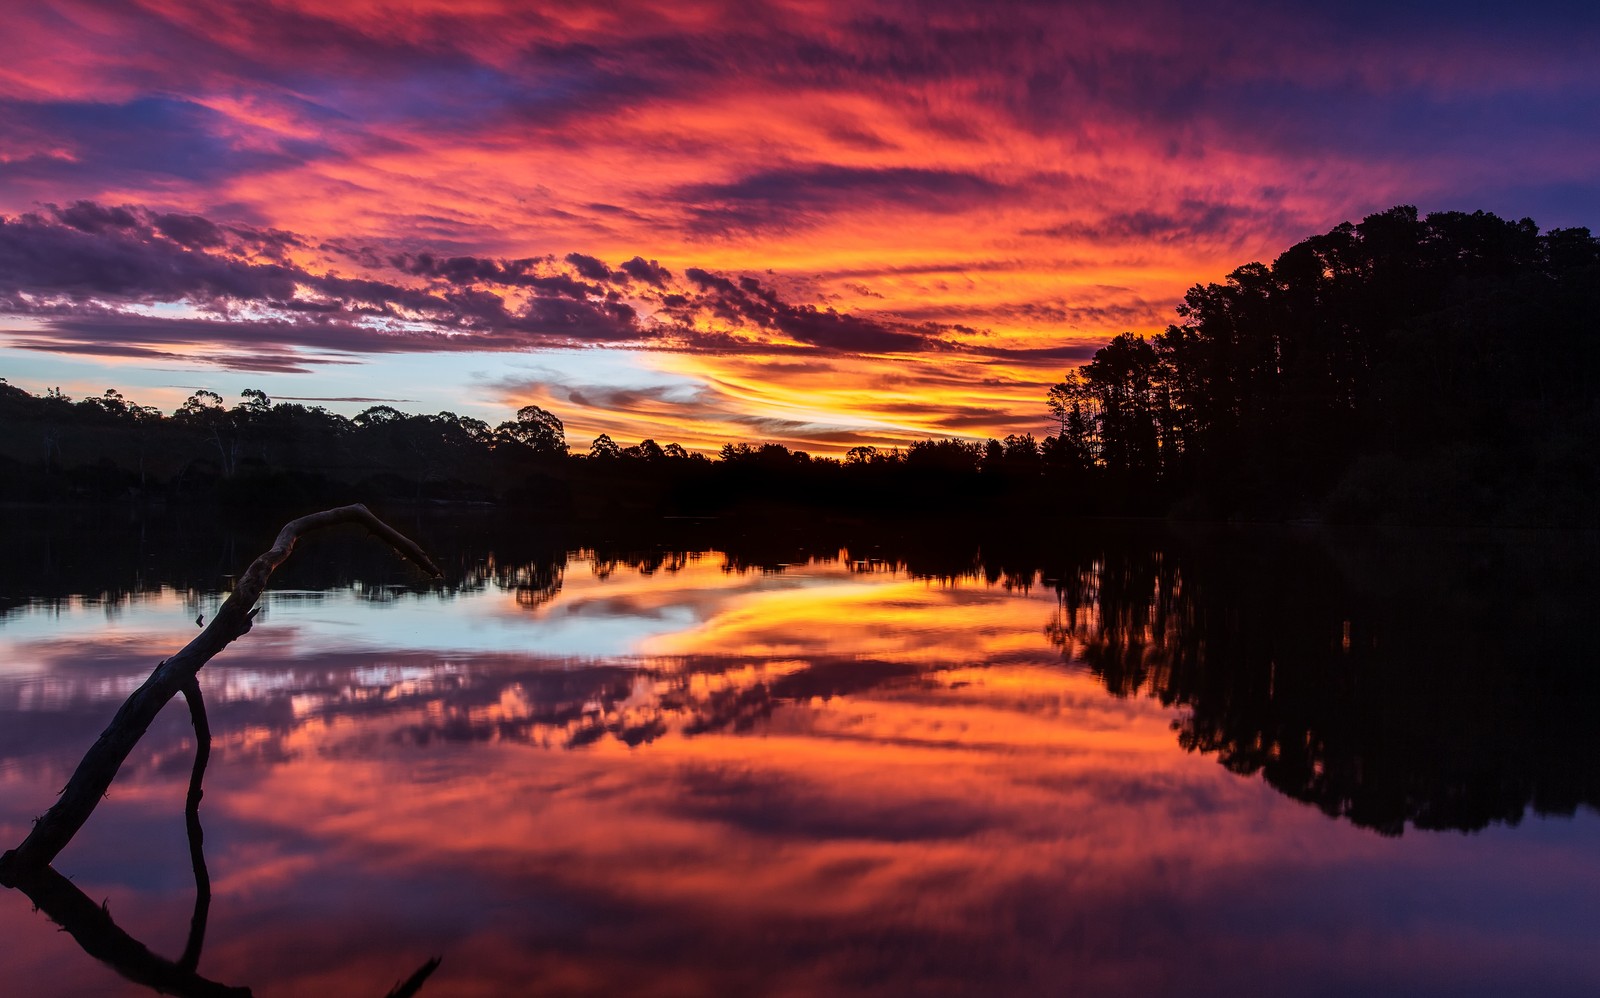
(1436, 369)
(261, 452)
(258, 451)
(1403, 367)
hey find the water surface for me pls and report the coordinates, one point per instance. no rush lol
(1102, 760)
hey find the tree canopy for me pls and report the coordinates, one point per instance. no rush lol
(1445, 346)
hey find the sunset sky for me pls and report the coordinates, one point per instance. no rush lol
(819, 223)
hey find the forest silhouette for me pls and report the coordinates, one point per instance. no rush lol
(1432, 369)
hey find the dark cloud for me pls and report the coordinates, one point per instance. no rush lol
(249, 344)
(88, 251)
(150, 139)
(1070, 356)
(1394, 83)
(611, 209)
(588, 266)
(268, 361)
(1128, 311)
(81, 271)
(78, 268)
(190, 231)
(523, 273)
(1189, 221)
(955, 267)
(650, 398)
(797, 196)
(124, 253)
(609, 321)
(648, 271)
(456, 269)
(86, 216)
(708, 281)
(748, 301)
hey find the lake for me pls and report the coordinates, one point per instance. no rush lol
(823, 759)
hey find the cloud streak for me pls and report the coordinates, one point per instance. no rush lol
(94, 278)
(933, 180)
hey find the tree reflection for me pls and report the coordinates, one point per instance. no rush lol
(1386, 681)
(1382, 679)
(1444, 688)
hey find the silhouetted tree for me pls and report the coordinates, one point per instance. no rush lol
(1456, 345)
(537, 429)
(203, 413)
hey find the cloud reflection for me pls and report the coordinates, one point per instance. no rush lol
(830, 777)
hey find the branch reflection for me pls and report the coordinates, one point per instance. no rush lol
(94, 929)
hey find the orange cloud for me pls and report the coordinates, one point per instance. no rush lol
(1024, 178)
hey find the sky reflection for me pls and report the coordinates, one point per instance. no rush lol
(600, 614)
(701, 781)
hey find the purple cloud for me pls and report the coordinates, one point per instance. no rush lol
(788, 197)
(648, 271)
(85, 273)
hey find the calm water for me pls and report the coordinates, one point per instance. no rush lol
(1098, 760)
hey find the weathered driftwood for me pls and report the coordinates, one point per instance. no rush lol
(99, 767)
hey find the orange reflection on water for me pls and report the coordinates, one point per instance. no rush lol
(931, 811)
(904, 620)
(819, 780)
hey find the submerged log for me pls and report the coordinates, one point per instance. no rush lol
(100, 764)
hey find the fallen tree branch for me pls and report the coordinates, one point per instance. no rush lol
(100, 764)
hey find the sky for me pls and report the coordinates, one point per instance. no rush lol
(815, 222)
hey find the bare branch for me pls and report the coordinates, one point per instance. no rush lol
(94, 774)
